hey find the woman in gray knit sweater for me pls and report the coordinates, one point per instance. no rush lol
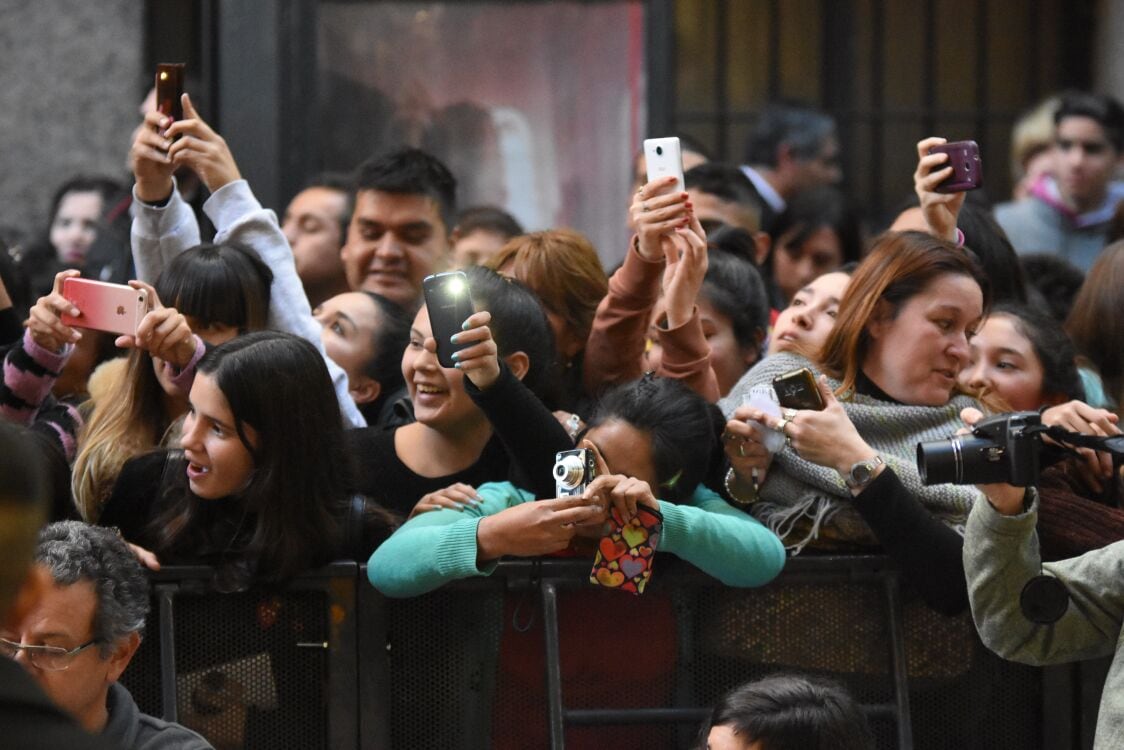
(847, 474)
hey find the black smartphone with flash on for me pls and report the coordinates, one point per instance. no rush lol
(449, 304)
(798, 390)
(169, 90)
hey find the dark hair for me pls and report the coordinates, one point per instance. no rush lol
(1104, 109)
(792, 712)
(103, 186)
(1052, 346)
(815, 209)
(680, 425)
(411, 171)
(803, 128)
(39, 262)
(74, 551)
(278, 385)
(24, 490)
(391, 336)
(1095, 322)
(984, 236)
(725, 181)
(225, 284)
(733, 241)
(488, 219)
(1054, 279)
(519, 324)
(341, 183)
(900, 265)
(735, 289)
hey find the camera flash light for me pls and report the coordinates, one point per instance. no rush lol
(455, 286)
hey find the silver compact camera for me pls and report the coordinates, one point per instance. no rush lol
(573, 471)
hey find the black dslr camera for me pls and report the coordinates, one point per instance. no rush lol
(1004, 448)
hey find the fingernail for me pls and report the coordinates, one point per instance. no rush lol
(453, 338)
(465, 326)
(457, 365)
(458, 506)
(455, 355)
(474, 501)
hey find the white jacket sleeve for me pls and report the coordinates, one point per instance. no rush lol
(160, 233)
(239, 218)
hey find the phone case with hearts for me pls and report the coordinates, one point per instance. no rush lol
(625, 555)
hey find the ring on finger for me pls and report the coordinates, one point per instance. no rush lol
(741, 449)
(789, 414)
(788, 443)
(644, 207)
(782, 424)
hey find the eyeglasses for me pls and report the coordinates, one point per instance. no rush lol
(49, 658)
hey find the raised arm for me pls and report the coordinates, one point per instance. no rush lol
(240, 219)
(164, 225)
(528, 430)
(1001, 555)
(615, 348)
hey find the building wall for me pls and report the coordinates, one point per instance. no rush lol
(1108, 68)
(70, 85)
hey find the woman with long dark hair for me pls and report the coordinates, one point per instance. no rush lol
(258, 487)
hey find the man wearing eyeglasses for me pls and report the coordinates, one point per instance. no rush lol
(1069, 212)
(88, 624)
(28, 720)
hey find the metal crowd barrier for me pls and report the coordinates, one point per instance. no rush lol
(327, 662)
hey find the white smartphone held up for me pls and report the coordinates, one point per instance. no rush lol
(114, 308)
(664, 159)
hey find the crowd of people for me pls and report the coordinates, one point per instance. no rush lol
(281, 403)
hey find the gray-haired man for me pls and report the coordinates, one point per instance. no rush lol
(77, 642)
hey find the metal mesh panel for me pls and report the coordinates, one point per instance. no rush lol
(443, 650)
(250, 668)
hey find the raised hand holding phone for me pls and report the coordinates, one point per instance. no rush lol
(448, 302)
(477, 356)
(163, 331)
(44, 319)
(940, 209)
(199, 148)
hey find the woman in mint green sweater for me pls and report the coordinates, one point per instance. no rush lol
(652, 436)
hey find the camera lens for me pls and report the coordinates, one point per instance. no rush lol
(659, 150)
(961, 460)
(569, 472)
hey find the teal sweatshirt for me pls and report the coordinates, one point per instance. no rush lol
(439, 546)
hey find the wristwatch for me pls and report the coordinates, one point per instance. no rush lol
(862, 473)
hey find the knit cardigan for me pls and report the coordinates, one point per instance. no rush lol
(798, 491)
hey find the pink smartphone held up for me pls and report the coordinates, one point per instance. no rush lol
(114, 308)
(967, 169)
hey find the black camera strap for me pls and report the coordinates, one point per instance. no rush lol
(1113, 444)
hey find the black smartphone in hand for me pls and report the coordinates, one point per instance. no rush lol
(449, 304)
(169, 90)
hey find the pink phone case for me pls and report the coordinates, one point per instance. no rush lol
(114, 308)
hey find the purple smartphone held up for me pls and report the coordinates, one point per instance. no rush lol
(967, 169)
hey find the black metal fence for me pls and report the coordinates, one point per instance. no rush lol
(534, 657)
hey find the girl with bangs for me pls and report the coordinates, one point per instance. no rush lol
(221, 291)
